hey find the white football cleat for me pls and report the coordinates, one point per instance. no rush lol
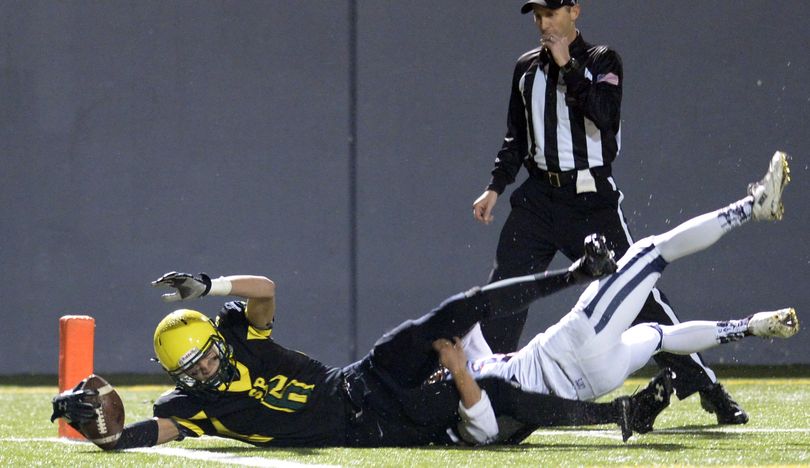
(767, 192)
(781, 323)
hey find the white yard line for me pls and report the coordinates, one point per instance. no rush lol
(203, 455)
(602, 433)
(738, 430)
(615, 434)
(222, 457)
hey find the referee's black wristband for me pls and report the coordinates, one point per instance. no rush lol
(570, 65)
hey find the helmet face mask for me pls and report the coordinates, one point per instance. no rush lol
(223, 376)
(182, 340)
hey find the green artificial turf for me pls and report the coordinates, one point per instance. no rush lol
(778, 434)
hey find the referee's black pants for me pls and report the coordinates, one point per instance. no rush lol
(546, 219)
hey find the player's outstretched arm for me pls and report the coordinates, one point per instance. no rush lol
(94, 409)
(261, 295)
(146, 433)
(260, 292)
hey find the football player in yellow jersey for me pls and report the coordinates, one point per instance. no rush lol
(233, 380)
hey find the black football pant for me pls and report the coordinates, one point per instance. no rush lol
(406, 353)
(545, 220)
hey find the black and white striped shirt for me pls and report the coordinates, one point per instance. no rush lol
(561, 122)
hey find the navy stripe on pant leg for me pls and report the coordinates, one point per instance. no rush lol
(656, 266)
(603, 287)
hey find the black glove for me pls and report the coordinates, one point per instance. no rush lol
(597, 262)
(187, 286)
(70, 406)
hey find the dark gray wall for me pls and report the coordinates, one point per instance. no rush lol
(141, 137)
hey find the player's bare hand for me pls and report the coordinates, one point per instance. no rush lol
(186, 286)
(451, 353)
(483, 205)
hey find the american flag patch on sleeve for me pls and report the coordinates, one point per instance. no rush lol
(609, 78)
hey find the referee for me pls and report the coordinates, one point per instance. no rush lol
(564, 126)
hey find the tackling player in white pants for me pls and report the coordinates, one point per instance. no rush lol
(591, 351)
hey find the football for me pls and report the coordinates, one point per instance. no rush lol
(106, 428)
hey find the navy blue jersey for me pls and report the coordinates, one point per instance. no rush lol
(280, 397)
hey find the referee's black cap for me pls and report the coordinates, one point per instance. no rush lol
(552, 4)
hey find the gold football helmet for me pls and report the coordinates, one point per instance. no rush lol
(182, 338)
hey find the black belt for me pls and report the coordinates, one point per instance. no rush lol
(559, 179)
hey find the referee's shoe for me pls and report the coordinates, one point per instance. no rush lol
(715, 399)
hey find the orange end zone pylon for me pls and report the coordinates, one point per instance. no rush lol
(76, 335)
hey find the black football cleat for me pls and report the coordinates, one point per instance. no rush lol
(649, 402)
(715, 399)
